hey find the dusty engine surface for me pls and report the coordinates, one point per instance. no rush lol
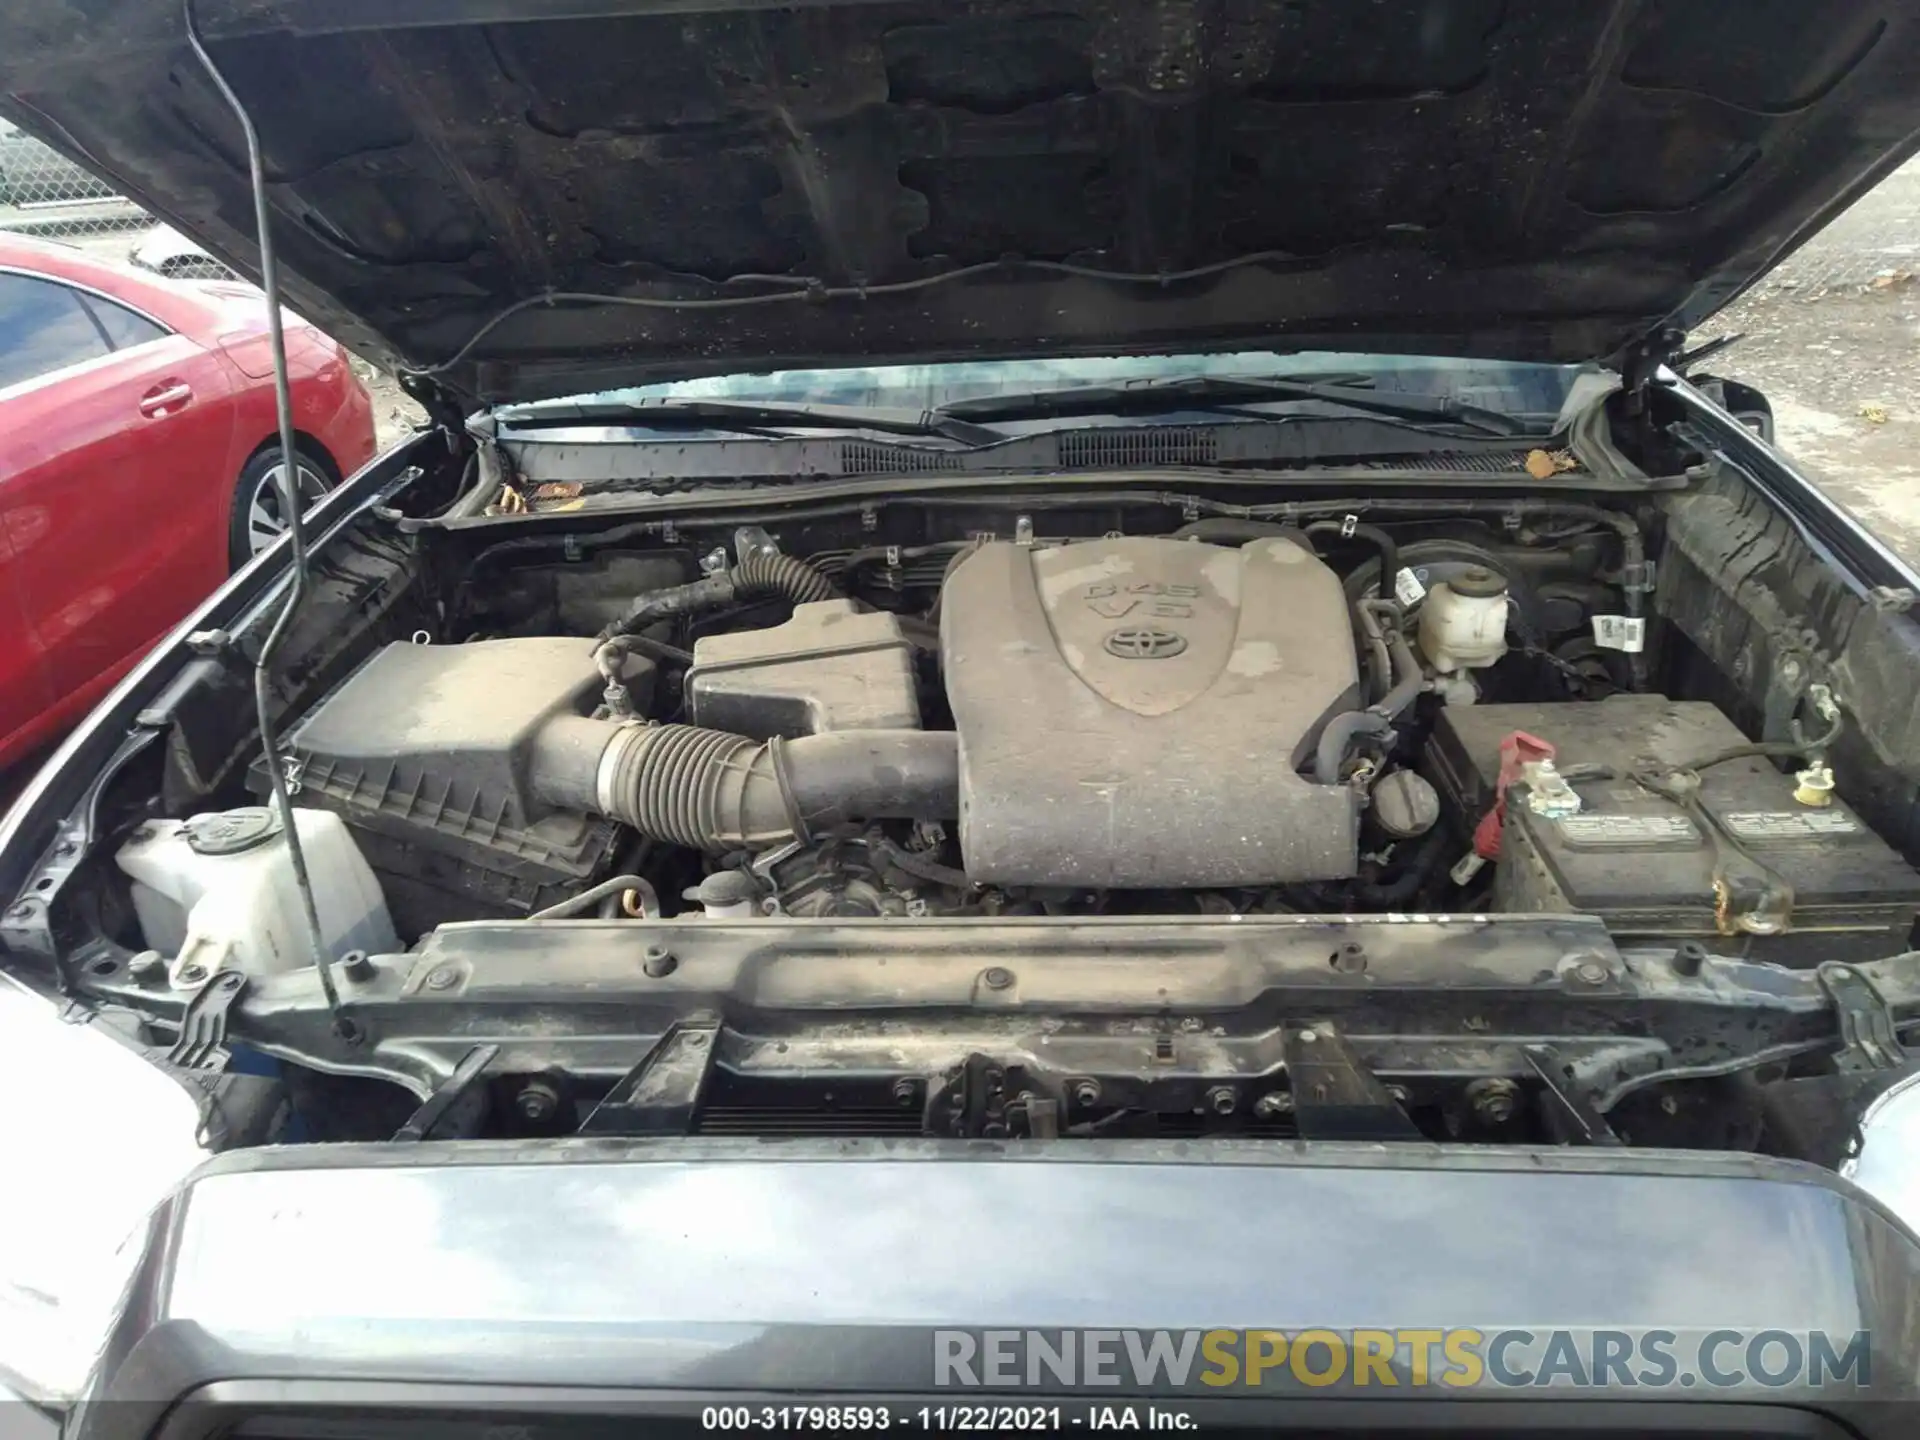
(1132, 713)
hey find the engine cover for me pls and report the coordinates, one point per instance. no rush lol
(1132, 713)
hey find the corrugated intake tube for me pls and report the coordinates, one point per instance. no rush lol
(710, 790)
(764, 575)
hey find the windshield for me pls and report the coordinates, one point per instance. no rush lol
(1514, 388)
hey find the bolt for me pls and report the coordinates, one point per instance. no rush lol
(442, 977)
(659, 961)
(65, 848)
(1585, 969)
(1689, 957)
(1193, 1023)
(146, 965)
(1086, 1093)
(997, 977)
(1221, 1100)
(1492, 1099)
(1350, 958)
(356, 966)
(1274, 1102)
(537, 1101)
(903, 1090)
(192, 974)
(1398, 1094)
(1307, 1037)
(21, 911)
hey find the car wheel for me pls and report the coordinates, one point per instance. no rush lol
(259, 513)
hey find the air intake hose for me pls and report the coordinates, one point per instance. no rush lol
(763, 575)
(710, 790)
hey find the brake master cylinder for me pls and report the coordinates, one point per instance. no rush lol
(1463, 621)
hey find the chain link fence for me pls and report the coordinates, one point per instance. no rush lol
(44, 194)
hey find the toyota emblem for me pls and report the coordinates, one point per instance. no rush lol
(1133, 642)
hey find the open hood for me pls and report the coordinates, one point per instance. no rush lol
(876, 180)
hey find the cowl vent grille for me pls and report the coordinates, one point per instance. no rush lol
(1171, 445)
(864, 458)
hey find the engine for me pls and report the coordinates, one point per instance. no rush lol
(1132, 713)
(1128, 714)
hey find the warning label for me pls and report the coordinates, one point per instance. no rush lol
(1789, 824)
(1627, 831)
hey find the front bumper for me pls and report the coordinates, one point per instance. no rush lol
(710, 1268)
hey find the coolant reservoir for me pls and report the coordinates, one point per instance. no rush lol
(1463, 621)
(216, 892)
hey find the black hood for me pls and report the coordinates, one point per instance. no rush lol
(884, 180)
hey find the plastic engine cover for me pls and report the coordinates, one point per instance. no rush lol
(1131, 713)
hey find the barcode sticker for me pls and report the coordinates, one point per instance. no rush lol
(1620, 632)
(1407, 588)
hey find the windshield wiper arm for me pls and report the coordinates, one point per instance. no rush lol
(734, 414)
(1220, 392)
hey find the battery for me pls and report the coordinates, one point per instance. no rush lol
(1642, 863)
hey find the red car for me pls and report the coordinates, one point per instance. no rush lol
(139, 464)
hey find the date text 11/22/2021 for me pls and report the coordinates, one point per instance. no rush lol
(858, 1418)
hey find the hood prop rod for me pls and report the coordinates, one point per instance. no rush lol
(345, 1028)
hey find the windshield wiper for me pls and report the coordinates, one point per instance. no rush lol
(1220, 393)
(748, 415)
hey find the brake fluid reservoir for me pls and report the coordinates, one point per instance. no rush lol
(1463, 621)
(217, 892)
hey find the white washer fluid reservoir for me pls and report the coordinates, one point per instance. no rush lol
(216, 892)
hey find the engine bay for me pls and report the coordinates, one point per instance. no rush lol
(1415, 817)
(1215, 721)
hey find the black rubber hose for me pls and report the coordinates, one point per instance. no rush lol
(765, 575)
(1230, 530)
(918, 866)
(1404, 886)
(1375, 536)
(1408, 678)
(714, 791)
(1340, 733)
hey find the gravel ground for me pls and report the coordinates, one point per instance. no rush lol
(1833, 340)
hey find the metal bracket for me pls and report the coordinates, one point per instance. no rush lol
(1335, 1095)
(1867, 1037)
(1643, 360)
(661, 1094)
(752, 540)
(203, 1027)
(1570, 1116)
(972, 1102)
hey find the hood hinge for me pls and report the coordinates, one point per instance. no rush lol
(1643, 360)
(443, 407)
